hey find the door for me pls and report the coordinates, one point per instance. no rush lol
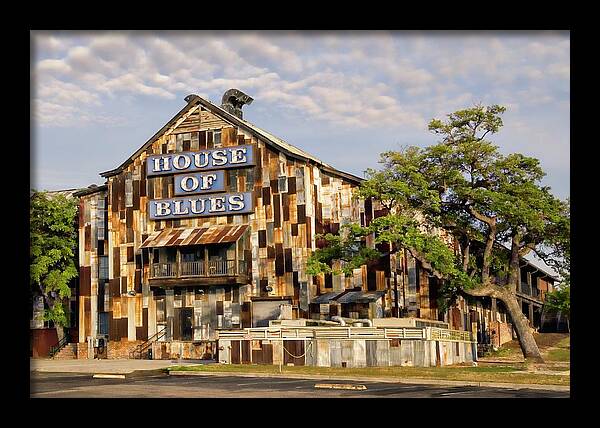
(186, 322)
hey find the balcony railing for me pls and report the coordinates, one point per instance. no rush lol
(530, 290)
(163, 270)
(192, 269)
(198, 268)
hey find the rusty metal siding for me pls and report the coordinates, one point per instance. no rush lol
(85, 280)
(293, 352)
(281, 231)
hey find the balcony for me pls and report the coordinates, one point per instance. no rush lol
(212, 270)
(530, 291)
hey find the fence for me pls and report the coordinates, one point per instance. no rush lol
(373, 333)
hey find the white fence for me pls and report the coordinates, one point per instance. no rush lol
(362, 333)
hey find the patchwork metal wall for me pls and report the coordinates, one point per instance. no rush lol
(293, 201)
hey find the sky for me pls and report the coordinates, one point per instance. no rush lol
(344, 97)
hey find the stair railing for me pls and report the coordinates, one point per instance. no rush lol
(139, 350)
(59, 345)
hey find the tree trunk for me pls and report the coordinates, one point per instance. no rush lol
(60, 332)
(529, 347)
(506, 295)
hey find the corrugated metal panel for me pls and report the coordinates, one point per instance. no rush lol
(326, 298)
(195, 236)
(361, 296)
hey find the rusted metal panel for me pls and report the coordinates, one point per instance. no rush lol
(293, 352)
(195, 236)
(246, 355)
(116, 262)
(85, 280)
(235, 352)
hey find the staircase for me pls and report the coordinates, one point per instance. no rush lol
(68, 352)
(142, 350)
(62, 343)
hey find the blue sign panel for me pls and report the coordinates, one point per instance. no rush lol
(226, 157)
(199, 206)
(199, 182)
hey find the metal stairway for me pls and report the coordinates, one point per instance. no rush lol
(141, 351)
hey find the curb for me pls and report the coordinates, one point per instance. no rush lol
(418, 381)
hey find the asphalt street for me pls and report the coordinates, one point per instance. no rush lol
(63, 385)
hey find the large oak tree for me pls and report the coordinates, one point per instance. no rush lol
(492, 204)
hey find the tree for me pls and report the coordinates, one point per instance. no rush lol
(559, 300)
(53, 240)
(464, 186)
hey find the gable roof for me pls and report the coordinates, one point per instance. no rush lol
(276, 142)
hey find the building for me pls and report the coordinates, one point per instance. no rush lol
(208, 226)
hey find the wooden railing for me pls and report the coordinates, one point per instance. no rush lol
(434, 333)
(192, 269)
(529, 290)
(198, 268)
(163, 270)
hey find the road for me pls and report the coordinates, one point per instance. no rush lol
(71, 385)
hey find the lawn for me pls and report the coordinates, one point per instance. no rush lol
(504, 374)
(555, 347)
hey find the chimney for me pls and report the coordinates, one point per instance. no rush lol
(233, 100)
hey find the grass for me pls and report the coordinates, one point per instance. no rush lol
(506, 374)
(558, 350)
(504, 352)
(555, 347)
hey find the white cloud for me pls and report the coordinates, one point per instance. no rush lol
(53, 66)
(378, 79)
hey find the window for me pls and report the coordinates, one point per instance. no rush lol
(249, 180)
(217, 138)
(193, 254)
(102, 322)
(100, 218)
(195, 143)
(182, 323)
(102, 267)
(233, 180)
(128, 190)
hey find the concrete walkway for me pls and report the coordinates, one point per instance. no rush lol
(104, 366)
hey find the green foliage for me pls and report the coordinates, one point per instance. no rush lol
(53, 240)
(559, 300)
(346, 247)
(56, 314)
(467, 187)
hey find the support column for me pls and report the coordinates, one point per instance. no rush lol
(531, 314)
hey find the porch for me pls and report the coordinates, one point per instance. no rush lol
(216, 255)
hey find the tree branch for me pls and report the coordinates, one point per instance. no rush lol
(483, 136)
(426, 265)
(481, 217)
(487, 290)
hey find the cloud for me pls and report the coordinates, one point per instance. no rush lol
(394, 80)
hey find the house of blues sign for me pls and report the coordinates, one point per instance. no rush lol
(197, 176)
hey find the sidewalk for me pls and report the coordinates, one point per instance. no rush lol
(125, 366)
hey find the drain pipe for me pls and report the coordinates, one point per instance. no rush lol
(339, 319)
(367, 321)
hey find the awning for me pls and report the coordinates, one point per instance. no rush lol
(360, 297)
(195, 236)
(326, 298)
